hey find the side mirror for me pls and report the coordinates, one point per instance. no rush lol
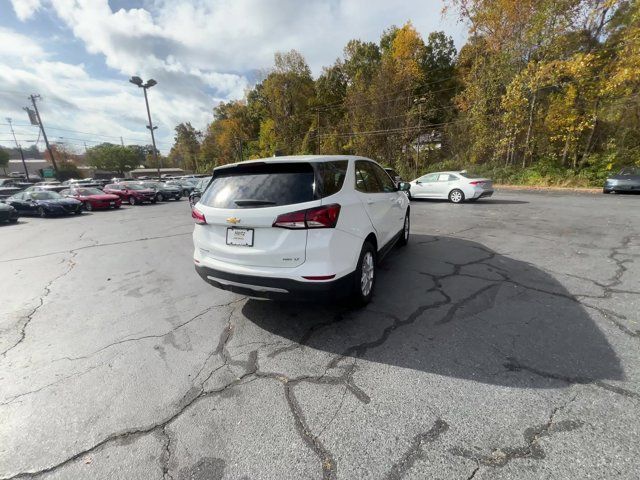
(404, 186)
(418, 182)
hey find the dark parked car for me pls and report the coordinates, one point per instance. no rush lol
(164, 191)
(197, 192)
(187, 186)
(626, 180)
(132, 193)
(93, 198)
(8, 213)
(44, 204)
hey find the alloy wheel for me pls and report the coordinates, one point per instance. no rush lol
(456, 196)
(368, 272)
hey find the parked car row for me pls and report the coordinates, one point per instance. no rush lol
(75, 196)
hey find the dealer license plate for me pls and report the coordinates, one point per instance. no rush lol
(240, 236)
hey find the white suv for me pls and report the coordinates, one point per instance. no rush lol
(298, 225)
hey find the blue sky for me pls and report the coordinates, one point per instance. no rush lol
(79, 54)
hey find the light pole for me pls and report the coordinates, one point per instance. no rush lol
(144, 86)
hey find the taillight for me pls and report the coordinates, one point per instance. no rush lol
(476, 183)
(319, 217)
(291, 220)
(198, 216)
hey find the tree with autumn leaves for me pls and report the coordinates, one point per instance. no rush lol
(541, 89)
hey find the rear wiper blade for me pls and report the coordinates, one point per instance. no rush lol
(245, 202)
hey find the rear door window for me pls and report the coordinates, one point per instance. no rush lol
(383, 178)
(366, 178)
(273, 184)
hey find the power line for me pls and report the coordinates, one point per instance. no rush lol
(88, 133)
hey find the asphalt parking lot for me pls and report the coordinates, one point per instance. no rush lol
(501, 343)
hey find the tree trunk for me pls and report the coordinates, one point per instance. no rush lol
(587, 148)
(565, 151)
(528, 137)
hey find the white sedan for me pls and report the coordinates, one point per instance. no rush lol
(455, 186)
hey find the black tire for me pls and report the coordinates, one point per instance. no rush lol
(41, 212)
(606, 191)
(177, 197)
(456, 196)
(185, 193)
(13, 220)
(160, 197)
(153, 200)
(87, 206)
(132, 200)
(362, 290)
(404, 236)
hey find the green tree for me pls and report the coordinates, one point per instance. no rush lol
(186, 148)
(117, 158)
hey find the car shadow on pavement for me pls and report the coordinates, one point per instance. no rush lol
(455, 308)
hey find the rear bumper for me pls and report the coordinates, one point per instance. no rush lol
(276, 288)
(485, 193)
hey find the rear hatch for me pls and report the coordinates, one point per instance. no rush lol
(242, 203)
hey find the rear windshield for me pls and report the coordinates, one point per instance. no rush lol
(469, 175)
(273, 184)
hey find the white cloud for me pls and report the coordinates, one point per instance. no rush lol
(25, 9)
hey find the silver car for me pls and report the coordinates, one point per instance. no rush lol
(457, 187)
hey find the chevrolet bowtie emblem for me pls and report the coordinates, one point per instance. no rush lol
(233, 220)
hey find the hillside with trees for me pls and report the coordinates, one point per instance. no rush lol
(543, 92)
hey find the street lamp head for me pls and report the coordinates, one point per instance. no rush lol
(136, 81)
(150, 83)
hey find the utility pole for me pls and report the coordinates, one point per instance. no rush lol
(46, 141)
(122, 141)
(24, 164)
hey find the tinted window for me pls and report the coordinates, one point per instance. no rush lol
(384, 179)
(366, 178)
(260, 185)
(445, 177)
(429, 178)
(89, 191)
(630, 171)
(44, 195)
(329, 177)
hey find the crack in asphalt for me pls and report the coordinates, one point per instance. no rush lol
(13, 398)
(135, 433)
(145, 337)
(416, 450)
(532, 449)
(110, 244)
(165, 457)
(514, 365)
(47, 290)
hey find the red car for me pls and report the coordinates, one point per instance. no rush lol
(93, 198)
(132, 193)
